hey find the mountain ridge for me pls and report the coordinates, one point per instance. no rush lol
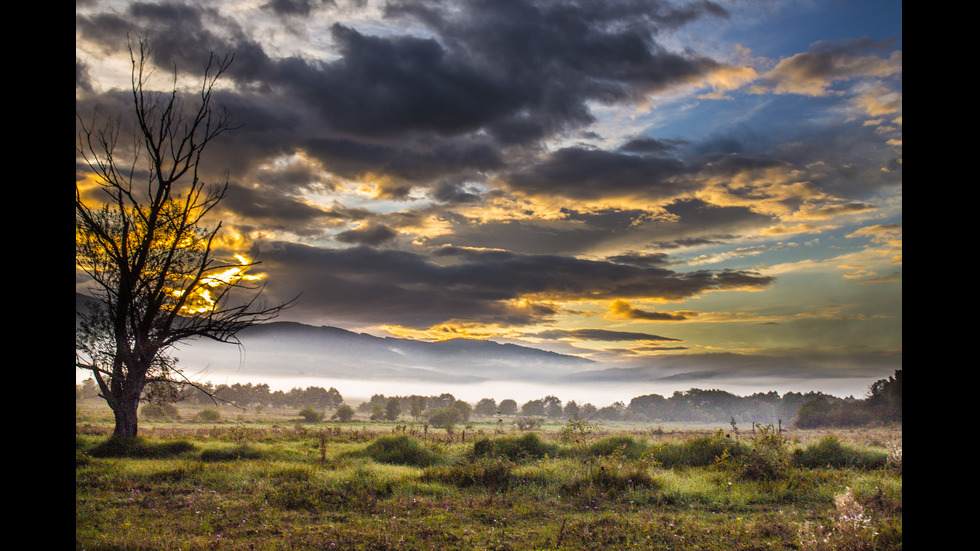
(291, 348)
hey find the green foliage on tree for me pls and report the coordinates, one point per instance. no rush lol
(507, 407)
(485, 407)
(393, 409)
(344, 413)
(445, 418)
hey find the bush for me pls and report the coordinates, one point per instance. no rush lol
(493, 474)
(360, 492)
(344, 413)
(210, 415)
(516, 449)
(528, 423)
(610, 479)
(159, 411)
(576, 431)
(623, 446)
(311, 415)
(831, 453)
(767, 460)
(401, 450)
(702, 451)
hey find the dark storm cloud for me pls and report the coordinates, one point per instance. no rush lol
(556, 56)
(295, 7)
(389, 85)
(641, 259)
(275, 210)
(692, 223)
(82, 81)
(421, 161)
(454, 192)
(492, 73)
(372, 234)
(651, 145)
(389, 286)
(581, 173)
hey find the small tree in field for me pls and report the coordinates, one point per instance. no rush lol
(142, 239)
(344, 413)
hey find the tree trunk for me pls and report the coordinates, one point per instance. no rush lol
(126, 422)
(125, 413)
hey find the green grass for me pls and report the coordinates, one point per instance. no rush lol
(267, 487)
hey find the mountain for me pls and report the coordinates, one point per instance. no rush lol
(291, 349)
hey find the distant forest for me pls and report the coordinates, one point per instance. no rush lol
(882, 405)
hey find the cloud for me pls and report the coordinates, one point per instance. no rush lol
(589, 174)
(416, 290)
(623, 309)
(410, 109)
(814, 73)
(598, 335)
(370, 234)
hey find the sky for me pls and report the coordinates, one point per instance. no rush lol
(708, 193)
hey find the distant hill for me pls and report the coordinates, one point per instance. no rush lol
(331, 351)
(294, 349)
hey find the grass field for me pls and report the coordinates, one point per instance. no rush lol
(267, 481)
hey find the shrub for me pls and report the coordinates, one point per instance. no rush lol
(210, 415)
(767, 459)
(401, 450)
(159, 411)
(622, 446)
(516, 449)
(830, 452)
(360, 492)
(610, 479)
(528, 423)
(344, 413)
(576, 431)
(702, 451)
(311, 415)
(491, 473)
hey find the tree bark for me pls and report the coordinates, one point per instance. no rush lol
(125, 412)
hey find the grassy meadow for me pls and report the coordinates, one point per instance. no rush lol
(232, 479)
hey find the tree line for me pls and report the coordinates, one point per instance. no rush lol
(883, 404)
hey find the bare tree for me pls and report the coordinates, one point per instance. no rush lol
(145, 244)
